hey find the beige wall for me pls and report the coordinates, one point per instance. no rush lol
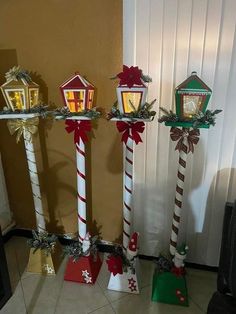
(53, 39)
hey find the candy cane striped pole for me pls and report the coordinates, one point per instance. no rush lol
(178, 196)
(81, 189)
(128, 190)
(33, 172)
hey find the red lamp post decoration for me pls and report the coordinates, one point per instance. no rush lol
(77, 93)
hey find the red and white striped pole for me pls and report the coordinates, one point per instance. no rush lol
(81, 189)
(128, 191)
(186, 139)
(178, 195)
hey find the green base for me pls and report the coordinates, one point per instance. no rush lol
(186, 124)
(165, 286)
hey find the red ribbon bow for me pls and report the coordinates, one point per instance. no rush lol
(79, 127)
(192, 136)
(130, 129)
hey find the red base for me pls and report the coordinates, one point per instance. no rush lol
(85, 270)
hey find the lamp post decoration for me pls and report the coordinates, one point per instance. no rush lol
(22, 112)
(130, 111)
(80, 129)
(78, 95)
(191, 98)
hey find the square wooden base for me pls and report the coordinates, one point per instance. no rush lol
(85, 270)
(169, 288)
(126, 282)
(41, 263)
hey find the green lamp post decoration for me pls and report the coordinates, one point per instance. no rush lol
(192, 97)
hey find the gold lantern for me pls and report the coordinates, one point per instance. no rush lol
(19, 91)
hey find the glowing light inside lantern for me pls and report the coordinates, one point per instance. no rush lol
(16, 98)
(131, 101)
(191, 105)
(90, 99)
(75, 100)
(33, 96)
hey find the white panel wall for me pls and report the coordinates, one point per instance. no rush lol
(169, 39)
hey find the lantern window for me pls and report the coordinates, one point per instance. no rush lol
(131, 100)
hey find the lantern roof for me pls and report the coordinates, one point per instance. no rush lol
(193, 84)
(19, 82)
(77, 81)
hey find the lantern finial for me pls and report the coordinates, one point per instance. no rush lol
(194, 73)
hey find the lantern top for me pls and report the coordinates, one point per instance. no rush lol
(17, 76)
(77, 81)
(20, 82)
(193, 84)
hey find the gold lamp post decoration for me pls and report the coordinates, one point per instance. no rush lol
(19, 91)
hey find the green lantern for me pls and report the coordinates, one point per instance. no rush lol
(191, 96)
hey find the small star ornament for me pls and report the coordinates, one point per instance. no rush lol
(86, 276)
(49, 269)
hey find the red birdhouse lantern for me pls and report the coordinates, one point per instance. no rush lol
(132, 90)
(77, 93)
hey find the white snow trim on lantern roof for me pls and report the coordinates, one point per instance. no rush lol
(22, 80)
(83, 80)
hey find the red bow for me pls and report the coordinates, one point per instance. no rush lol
(79, 127)
(192, 136)
(131, 129)
(178, 271)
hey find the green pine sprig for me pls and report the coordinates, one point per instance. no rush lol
(42, 241)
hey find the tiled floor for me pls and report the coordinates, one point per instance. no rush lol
(47, 295)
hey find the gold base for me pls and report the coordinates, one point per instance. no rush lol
(42, 263)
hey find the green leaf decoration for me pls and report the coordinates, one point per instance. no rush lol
(143, 112)
(42, 241)
(75, 249)
(16, 73)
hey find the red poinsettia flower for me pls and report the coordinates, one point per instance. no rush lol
(115, 265)
(130, 76)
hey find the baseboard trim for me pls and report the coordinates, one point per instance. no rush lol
(103, 247)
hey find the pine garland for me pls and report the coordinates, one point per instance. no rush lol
(40, 109)
(205, 118)
(143, 112)
(126, 263)
(64, 113)
(75, 249)
(42, 241)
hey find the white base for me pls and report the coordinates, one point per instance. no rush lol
(127, 282)
(131, 120)
(71, 118)
(18, 116)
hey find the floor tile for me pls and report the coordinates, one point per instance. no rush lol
(85, 297)
(41, 293)
(104, 310)
(140, 304)
(16, 303)
(12, 263)
(201, 286)
(147, 270)
(22, 253)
